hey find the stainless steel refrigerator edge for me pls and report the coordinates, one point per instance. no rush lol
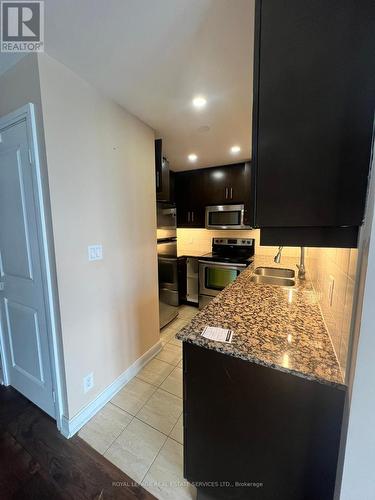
(167, 263)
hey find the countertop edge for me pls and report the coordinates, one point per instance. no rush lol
(260, 362)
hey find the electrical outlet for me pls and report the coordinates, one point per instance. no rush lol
(88, 382)
(95, 252)
(331, 288)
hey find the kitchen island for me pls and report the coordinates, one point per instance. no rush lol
(262, 415)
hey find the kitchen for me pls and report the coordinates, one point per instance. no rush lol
(245, 147)
(262, 157)
(283, 294)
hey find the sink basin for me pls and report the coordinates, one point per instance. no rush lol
(275, 271)
(272, 280)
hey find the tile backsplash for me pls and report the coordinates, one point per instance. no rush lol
(199, 241)
(332, 271)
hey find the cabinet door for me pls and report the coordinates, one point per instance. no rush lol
(228, 184)
(158, 166)
(235, 399)
(314, 100)
(216, 185)
(197, 217)
(162, 173)
(189, 201)
(238, 185)
(182, 196)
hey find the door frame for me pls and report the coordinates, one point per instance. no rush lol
(47, 255)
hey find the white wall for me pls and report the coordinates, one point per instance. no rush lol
(358, 464)
(101, 176)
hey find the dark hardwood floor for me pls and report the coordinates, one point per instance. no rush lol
(37, 462)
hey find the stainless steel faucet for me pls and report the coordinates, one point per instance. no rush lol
(301, 265)
(277, 257)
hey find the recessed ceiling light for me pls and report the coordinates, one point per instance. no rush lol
(235, 149)
(193, 157)
(199, 102)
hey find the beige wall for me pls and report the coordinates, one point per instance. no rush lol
(335, 267)
(101, 175)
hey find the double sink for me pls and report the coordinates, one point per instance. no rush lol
(273, 276)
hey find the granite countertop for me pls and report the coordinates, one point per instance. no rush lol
(273, 326)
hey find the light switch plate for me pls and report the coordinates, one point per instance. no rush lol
(95, 252)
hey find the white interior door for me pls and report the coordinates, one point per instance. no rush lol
(22, 306)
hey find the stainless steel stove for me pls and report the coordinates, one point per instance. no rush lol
(229, 257)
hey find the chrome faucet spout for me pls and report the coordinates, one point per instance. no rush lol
(301, 265)
(277, 257)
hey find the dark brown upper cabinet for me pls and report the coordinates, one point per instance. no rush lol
(189, 199)
(162, 173)
(314, 100)
(225, 185)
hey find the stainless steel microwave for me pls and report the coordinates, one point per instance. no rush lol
(226, 217)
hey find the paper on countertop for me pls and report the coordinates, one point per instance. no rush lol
(218, 334)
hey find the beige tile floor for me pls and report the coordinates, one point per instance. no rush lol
(140, 429)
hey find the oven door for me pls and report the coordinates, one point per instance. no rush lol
(167, 272)
(215, 276)
(168, 277)
(225, 217)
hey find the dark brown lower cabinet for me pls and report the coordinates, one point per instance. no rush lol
(252, 432)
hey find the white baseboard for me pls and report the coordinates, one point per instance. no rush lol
(71, 426)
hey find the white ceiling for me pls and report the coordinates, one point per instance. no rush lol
(153, 56)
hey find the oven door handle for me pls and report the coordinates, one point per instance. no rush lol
(209, 263)
(168, 259)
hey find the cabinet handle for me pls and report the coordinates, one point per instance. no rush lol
(226, 193)
(231, 193)
(192, 216)
(157, 179)
(188, 216)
